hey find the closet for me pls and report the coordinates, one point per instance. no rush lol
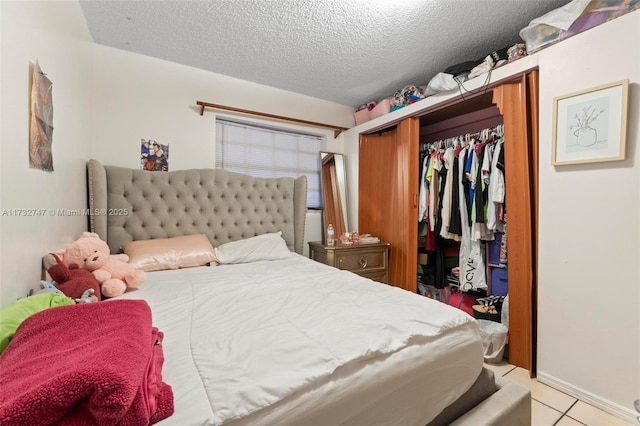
(458, 220)
(389, 186)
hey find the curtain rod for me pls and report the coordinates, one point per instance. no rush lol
(337, 129)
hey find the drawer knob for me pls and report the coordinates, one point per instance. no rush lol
(363, 261)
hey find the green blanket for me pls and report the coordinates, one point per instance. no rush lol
(13, 315)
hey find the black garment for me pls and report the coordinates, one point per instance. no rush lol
(440, 280)
(455, 222)
(464, 68)
(466, 187)
(500, 166)
(480, 195)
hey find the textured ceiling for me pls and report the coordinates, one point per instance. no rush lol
(345, 51)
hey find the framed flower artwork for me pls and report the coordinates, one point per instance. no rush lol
(591, 125)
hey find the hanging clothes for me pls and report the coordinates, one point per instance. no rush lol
(429, 188)
(449, 158)
(479, 230)
(472, 269)
(496, 191)
(430, 238)
(468, 181)
(440, 272)
(432, 175)
(462, 199)
(455, 225)
(423, 203)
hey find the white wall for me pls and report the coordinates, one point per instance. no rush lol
(589, 241)
(313, 229)
(55, 33)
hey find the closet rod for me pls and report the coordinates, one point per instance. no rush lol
(337, 129)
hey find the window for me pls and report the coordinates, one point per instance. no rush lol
(270, 152)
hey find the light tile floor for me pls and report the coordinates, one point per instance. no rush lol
(550, 407)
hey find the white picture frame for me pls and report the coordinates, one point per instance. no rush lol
(591, 125)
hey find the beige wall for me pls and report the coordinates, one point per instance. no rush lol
(147, 98)
(143, 97)
(589, 245)
(55, 34)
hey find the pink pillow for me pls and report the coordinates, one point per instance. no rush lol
(170, 253)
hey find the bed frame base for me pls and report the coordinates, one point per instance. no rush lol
(510, 405)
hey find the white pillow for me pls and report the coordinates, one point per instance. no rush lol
(262, 247)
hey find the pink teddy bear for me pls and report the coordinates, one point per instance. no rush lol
(113, 272)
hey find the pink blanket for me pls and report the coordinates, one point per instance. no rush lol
(94, 364)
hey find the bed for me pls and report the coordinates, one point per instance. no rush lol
(289, 340)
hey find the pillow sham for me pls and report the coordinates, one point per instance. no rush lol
(262, 247)
(170, 253)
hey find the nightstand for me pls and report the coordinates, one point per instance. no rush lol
(371, 260)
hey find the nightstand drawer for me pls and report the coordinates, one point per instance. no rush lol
(362, 260)
(367, 260)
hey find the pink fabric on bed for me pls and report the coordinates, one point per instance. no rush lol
(95, 363)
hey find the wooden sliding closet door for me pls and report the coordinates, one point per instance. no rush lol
(515, 101)
(388, 196)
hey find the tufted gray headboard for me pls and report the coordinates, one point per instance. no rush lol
(129, 204)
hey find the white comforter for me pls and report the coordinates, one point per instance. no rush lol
(240, 338)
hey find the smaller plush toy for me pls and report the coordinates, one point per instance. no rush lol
(113, 272)
(88, 297)
(46, 287)
(71, 281)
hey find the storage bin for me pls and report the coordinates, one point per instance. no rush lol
(494, 250)
(362, 116)
(499, 285)
(381, 109)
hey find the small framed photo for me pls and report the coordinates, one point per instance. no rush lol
(591, 126)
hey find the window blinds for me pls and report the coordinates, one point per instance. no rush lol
(269, 152)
